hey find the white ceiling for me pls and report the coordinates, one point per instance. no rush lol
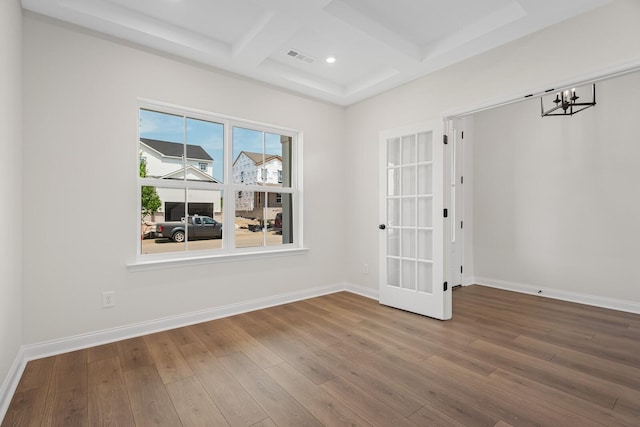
(378, 44)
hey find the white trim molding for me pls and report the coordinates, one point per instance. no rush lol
(595, 300)
(91, 339)
(362, 290)
(10, 384)
(105, 336)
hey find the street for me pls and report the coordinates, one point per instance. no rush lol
(244, 238)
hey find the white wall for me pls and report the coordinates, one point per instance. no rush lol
(10, 186)
(80, 104)
(557, 201)
(591, 43)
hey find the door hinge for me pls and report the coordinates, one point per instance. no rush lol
(445, 139)
(446, 213)
(462, 134)
(461, 224)
(462, 180)
(460, 269)
(445, 286)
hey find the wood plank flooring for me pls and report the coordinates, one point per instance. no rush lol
(506, 359)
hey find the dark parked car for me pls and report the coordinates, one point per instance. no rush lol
(200, 227)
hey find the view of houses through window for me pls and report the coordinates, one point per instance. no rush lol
(185, 172)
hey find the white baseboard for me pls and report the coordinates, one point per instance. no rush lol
(595, 300)
(468, 281)
(361, 290)
(11, 381)
(92, 339)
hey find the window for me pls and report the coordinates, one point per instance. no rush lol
(188, 160)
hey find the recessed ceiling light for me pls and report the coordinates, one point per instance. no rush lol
(331, 59)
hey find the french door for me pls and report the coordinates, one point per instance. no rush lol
(412, 220)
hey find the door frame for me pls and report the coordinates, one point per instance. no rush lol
(455, 128)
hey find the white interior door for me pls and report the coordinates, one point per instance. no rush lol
(412, 223)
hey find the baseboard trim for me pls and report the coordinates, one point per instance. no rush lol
(63, 345)
(10, 384)
(595, 300)
(361, 290)
(106, 336)
(468, 281)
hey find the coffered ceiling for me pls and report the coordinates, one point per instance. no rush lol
(377, 44)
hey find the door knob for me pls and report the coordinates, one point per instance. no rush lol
(382, 226)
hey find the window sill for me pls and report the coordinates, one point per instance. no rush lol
(142, 265)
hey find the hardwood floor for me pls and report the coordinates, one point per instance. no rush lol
(505, 359)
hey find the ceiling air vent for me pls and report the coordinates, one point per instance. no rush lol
(300, 56)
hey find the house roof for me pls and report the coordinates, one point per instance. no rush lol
(180, 174)
(174, 149)
(257, 157)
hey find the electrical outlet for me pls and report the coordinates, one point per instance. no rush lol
(365, 268)
(108, 299)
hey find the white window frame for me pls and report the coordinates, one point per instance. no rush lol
(229, 191)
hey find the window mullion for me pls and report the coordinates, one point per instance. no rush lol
(229, 194)
(184, 179)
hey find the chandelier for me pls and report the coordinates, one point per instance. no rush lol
(566, 103)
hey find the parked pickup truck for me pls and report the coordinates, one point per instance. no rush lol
(199, 227)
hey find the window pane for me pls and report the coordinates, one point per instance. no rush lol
(279, 219)
(425, 212)
(161, 145)
(162, 212)
(393, 242)
(408, 149)
(249, 219)
(393, 272)
(205, 154)
(393, 212)
(168, 229)
(408, 274)
(205, 219)
(282, 146)
(408, 212)
(408, 243)
(425, 245)
(261, 158)
(248, 156)
(393, 182)
(425, 179)
(393, 152)
(408, 180)
(269, 222)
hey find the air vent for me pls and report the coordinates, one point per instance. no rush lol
(301, 56)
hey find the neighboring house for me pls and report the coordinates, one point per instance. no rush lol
(252, 169)
(164, 160)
